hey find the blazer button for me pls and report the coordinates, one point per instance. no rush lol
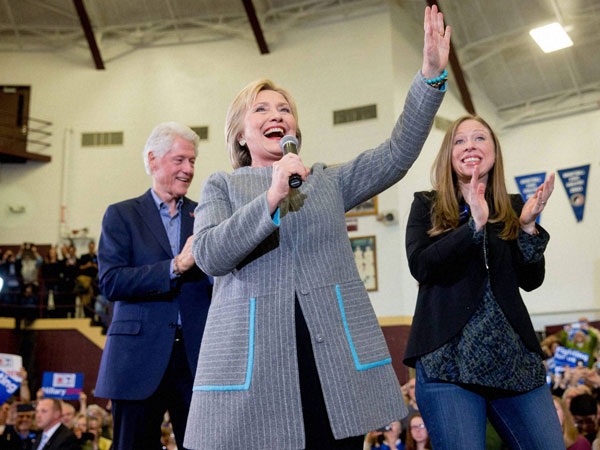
(319, 338)
(304, 291)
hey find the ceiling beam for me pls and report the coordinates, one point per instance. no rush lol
(256, 29)
(89, 33)
(458, 73)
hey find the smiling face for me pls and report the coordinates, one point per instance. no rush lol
(268, 119)
(172, 174)
(473, 146)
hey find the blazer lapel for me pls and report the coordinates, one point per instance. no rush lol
(187, 221)
(151, 217)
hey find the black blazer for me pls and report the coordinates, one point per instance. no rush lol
(451, 272)
(62, 439)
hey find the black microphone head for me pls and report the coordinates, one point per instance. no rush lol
(288, 144)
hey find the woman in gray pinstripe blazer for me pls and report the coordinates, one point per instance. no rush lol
(292, 346)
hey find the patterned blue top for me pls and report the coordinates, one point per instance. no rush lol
(488, 352)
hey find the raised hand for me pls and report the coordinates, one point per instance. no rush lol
(437, 43)
(536, 204)
(475, 197)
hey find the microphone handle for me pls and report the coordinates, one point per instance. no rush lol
(295, 181)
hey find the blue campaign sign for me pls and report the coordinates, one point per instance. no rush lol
(575, 183)
(528, 184)
(8, 386)
(66, 386)
(569, 357)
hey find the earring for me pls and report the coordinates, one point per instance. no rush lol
(242, 142)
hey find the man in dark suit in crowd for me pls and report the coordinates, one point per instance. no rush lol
(54, 435)
(161, 297)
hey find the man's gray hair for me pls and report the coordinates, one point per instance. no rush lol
(162, 137)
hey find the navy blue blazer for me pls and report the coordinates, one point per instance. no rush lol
(134, 258)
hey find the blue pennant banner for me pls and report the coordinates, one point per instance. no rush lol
(528, 184)
(575, 183)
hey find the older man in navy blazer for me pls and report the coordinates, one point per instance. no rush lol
(161, 297)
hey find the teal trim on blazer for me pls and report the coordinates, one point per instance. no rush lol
(357, 363)
(276, 219)
(249, 365)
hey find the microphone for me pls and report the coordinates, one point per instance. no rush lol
(289, 144)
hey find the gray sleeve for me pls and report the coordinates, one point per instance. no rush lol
(375, 170)
(223, 237)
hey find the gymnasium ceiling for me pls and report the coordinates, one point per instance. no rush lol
(490, 38)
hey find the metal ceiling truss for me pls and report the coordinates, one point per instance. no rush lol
(175, 31)
(559, 104)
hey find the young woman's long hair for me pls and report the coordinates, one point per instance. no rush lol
(444, 211)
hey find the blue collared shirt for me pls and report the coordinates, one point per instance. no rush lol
(172, 226)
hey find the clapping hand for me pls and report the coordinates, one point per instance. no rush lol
(536, 204)
(476, 199)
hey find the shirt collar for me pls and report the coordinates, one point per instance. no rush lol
(159, 203)
(52, 430)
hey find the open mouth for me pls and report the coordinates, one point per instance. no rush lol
(274, 133)
(472, 160)
(183, 179)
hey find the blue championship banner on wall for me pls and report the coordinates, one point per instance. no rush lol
(575, 183)
(66, 386)
(8, 386)
(528, 184)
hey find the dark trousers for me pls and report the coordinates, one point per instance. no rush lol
(137, 423)
(316, 422)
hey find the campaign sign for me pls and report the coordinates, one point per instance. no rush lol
(11, 364)
(66, 386)
(575, 183)
(8, 386)
(528, 184)
(569, 357)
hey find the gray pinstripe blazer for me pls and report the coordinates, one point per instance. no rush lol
(246, 390)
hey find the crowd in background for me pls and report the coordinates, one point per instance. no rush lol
(22, 420)
(57, 284)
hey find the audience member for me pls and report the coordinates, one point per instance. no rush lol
(573, 440)
(86, 282)
(408, 390)
(53, 434)
(417, 437)
(18, 433)
(30, 263)
(391, 437)
(95, 428)
(68, 415)
(585, 415)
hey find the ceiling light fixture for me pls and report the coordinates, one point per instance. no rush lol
(551, 37)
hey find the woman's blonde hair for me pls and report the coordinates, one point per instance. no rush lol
(234, 122)
(444, 211)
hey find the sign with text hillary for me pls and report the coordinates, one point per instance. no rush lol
(575, 183)
(8, 386)
(528, 184)
(62, 385)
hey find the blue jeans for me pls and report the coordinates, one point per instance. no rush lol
(456, 417)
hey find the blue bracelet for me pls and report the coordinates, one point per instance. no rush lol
(443, 76)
